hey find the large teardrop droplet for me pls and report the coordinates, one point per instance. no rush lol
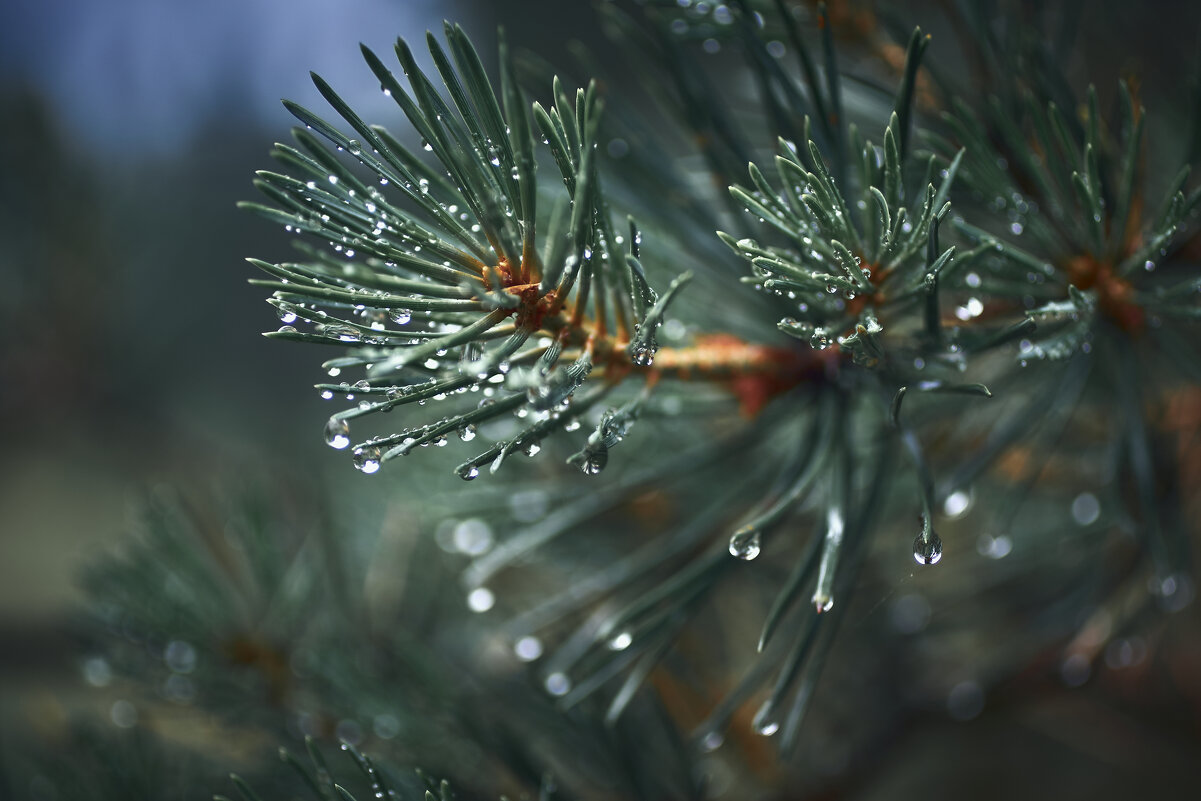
(927, 551)
(745, 543)
(337, 433)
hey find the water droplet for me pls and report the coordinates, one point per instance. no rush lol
(994, 547)
(1086, 509)
(763, 722)
(480, 599)
(927, 552)
(711, 741)
(343, 333)
(532, 449)
(469, 474)
(337, 433)
(180, 656)
(124, 714)
(354, 146)
(528, 648)
(367, 459)
(467, 433)
(621, 641)
(956, 504)
(286, 315)
(745, 543)
(327, 394)
(472, 536)
(97, 672)
(558, 684)
(823, 603)
(286, 329)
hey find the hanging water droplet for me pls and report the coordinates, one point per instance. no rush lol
(367, 459)
(1086, 509)
(470, 474)
(532, 449)
(763, 722)
(927, 551)
(528, 648)
(621, 641)
(286, 315)
(337, 433)
(558, 684)
(327, 394)
(467, 433)
(823, 603)
(480, 599)
(956, 504)
(745, 543)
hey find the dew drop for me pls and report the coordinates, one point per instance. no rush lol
(327, 394)
(927, 552)
(745, 543)
(467, 433)
(337, 433)
(763, 722)
(367, 460)
(528, 648)
(480, 599)
(558, 684)
(621, 641)
(956, 504)
(1086, 509)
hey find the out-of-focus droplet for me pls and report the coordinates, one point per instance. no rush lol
(480, 599)
(621, 641)
(528, 648)
(558, 684)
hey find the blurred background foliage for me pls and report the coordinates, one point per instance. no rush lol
(129, 363)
